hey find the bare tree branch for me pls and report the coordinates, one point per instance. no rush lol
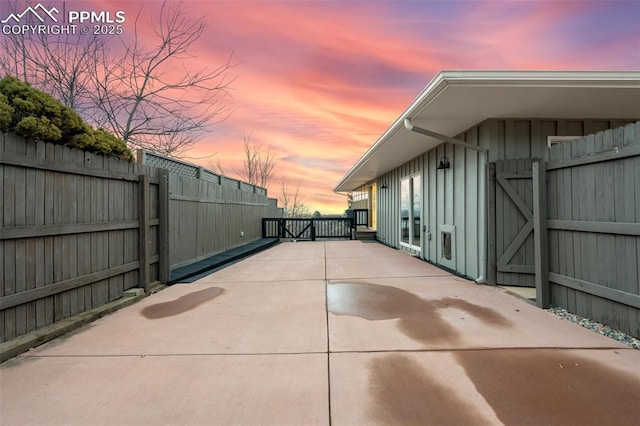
(216, 166)
(265, 167)
(151, 106)
(258, 164)
(59, 64)
(292, 200)
(146, 94)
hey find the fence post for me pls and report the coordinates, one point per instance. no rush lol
(143, 242)
(164, 267)
(540, 233)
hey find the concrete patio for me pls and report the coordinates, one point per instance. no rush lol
(336, 332)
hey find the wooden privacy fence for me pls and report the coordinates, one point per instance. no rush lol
(208, 218)
(586, 221)
(209, 213)
(186, 170)
(78, 229)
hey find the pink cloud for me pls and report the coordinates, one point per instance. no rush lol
(320, 81)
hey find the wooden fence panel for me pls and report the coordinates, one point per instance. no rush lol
(69, 229)
(208, 217)
(593, 221)
(78, 229)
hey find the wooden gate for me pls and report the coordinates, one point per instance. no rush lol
(511, 251)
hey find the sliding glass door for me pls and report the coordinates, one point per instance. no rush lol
(410, 212)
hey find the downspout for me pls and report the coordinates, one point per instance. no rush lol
(482, 254)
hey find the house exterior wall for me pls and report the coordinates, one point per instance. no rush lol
(456, 197)
(360, 197)
(527, 138)
(362, 204)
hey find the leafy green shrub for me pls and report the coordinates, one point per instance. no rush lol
(108, 144)
(39, 128)
(31, 113)
(6, 112)
(71, 124)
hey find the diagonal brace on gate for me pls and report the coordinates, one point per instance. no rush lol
(521, 237)
(299, 233)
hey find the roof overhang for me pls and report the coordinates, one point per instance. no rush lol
(454, 101)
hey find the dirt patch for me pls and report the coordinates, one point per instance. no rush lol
(402, 393)
(182, 304)
(419, 319)
(546, 386)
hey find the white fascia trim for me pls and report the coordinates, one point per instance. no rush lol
(547, 78)
(595, 79)
(435, 87)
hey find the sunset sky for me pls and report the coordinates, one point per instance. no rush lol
(319, 81)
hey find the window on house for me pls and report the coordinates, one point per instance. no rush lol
(405, 207)
(410, 212)
(415, 220)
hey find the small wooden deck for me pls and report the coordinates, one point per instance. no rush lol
(365, 233)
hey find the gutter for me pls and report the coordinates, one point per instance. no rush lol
(482, 255)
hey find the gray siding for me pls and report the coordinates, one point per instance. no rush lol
(511, 139)
(449, 197)
(388, 229)
(456, 196)
(361, 204)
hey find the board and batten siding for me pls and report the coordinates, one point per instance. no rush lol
(449, 197)
(511, 139)
(456, 196)
(388, 226)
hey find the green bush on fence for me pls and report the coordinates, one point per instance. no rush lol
(30, 113)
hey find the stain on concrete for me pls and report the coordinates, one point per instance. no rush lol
(419, 319)
(487, 315)
(546, 386)
(402, 393)
(182, 304)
